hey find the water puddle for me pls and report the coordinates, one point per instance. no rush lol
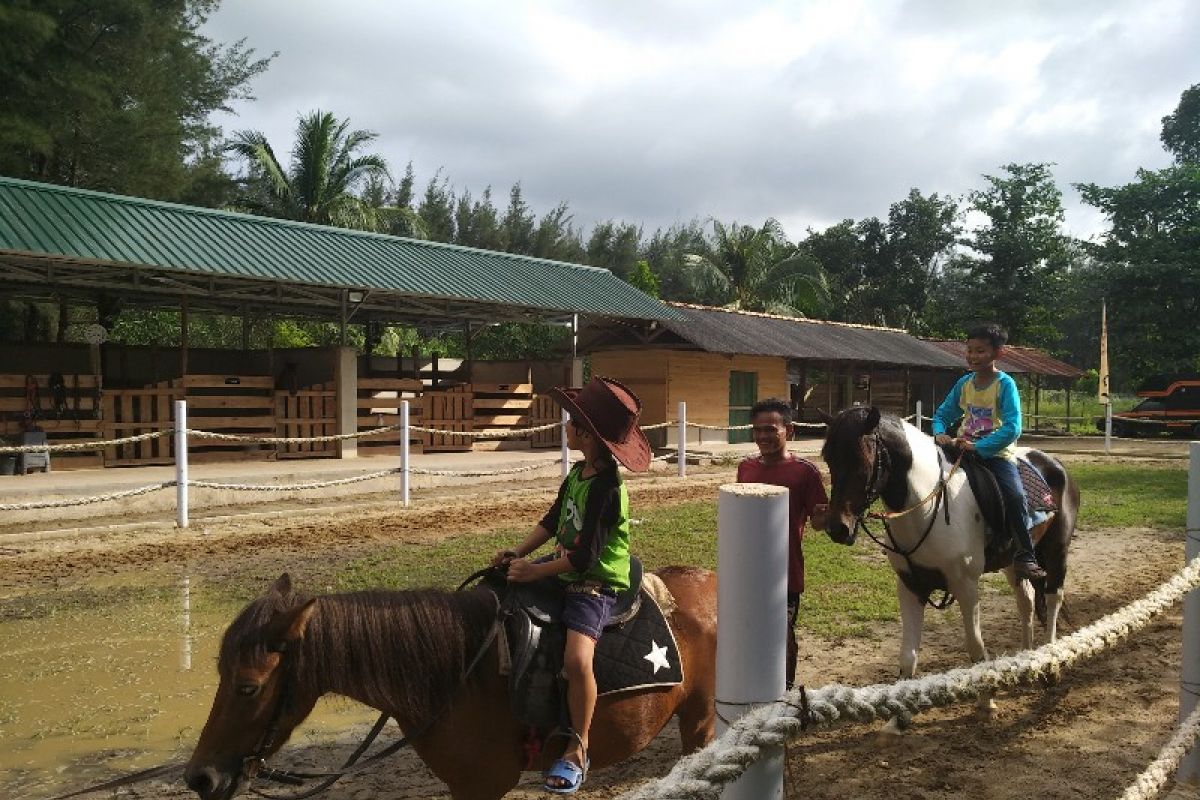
(110, 679)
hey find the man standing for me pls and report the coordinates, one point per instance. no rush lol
(772, 423)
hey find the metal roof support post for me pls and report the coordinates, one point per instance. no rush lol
(345, 378)
(467, 335)
(1067, 389)
(246, 329)
(576, 361)
(345, 316)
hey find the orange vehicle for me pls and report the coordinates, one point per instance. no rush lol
(1171, 405)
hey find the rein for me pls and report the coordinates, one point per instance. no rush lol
(937, 494)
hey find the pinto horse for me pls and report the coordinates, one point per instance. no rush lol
(410, 654)
(936, 532)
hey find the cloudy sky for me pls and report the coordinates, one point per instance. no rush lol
(656, 111)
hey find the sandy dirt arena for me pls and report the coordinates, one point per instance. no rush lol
(1086, 737)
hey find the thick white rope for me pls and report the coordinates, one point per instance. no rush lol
(702, 774)
(287, 487)
(483, 473)
(84, 501)
(498, 433)
(41, 448)
(1155, 776)
(333, 437)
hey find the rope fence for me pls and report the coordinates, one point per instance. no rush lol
(704, 773)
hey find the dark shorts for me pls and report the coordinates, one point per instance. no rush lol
(587, 611)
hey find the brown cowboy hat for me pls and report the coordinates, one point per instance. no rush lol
(609, 411)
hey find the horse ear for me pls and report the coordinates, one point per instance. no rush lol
(283, 585)
(872, 421)
(825, 416)
(290, 625)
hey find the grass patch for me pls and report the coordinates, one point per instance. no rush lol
(1123, 496)
(848, 588)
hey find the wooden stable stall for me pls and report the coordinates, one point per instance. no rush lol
(449, 410)
(502, 407)
(306, 412)
(133, 412)
(28, 404)
(379, 402)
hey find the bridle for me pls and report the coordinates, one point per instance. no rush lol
(881, 467)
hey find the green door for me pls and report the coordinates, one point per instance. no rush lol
(743, 392)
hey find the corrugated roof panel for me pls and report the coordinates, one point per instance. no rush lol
(78, 224)
(1018, 360)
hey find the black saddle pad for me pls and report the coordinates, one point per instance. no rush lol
(638, 654)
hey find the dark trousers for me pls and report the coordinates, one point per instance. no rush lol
(793, 649)
(1015, 507)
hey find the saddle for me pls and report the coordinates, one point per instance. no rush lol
(536, 638)
(999, 549)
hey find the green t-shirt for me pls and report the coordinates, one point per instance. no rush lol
(590, 523)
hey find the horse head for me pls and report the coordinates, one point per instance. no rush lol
(850, 452)
(257, 704)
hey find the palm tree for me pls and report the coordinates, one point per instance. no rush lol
(758, 269)
(321, 182)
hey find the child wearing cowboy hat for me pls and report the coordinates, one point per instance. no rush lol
(590, 524)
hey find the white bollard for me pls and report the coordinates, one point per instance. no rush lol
(1107, 428)
(682, 452)
(181, 464)
(920, 418)
(1189, 675)
(404, 466)
(566, 451)
(752, 557)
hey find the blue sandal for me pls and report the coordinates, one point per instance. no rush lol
(570, 773)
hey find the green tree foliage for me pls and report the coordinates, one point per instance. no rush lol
(1150, 271)
(643, 278)
(477, 222)
(322, 180)
(436, 211)
(615, 246)
(1181, 128)
(517, 224)
(668, 254)
(116, 95)
(758, 269)
(1022, 258)
(556, 237)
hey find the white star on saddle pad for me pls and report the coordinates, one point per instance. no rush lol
(657, 656)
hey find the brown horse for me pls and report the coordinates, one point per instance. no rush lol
(407, 654)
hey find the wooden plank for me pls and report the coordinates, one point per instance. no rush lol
(486, 421)
(13, 381)
(502, 389)
(228, 381)
(502, 403)
(225, 401)
(394, 384)
(265, 422)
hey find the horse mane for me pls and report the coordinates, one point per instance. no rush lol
(405, 651)
(845, 435)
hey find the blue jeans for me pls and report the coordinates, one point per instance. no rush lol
(1015, 507)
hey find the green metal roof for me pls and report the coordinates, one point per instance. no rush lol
(84, 227)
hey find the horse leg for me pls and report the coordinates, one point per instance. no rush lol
(697, 721)
(966, 592)
(912, 625)
(1054, 603)
(1023, 592)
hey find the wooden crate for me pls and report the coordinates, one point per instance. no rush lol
(238, 404)
(79, 421)
(132, 412)
(502, 406)
(450, 410)
(544, 411)
(379, 407)
(310, 411)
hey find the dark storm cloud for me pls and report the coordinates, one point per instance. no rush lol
(658, 112)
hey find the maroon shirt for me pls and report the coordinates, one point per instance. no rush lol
(805, 492)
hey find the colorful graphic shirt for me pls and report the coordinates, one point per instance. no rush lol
(805, 492)
(991, 415)
(590, 523)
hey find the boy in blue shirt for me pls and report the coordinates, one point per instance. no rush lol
(988, 400)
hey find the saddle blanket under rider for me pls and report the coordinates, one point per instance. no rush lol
(638, 654)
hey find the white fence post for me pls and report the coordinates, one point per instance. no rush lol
(751, 518)
(682, 453)
(920, 417)
(1189, 675)
(404, 455)
(181, 464)
(566, 451)
(1107, 428)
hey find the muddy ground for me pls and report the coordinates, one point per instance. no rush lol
(1087, 737)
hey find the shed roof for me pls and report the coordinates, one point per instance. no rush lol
(1017, 359)
(154, 250)
(721, 330)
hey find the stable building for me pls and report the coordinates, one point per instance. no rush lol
(93, 254)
